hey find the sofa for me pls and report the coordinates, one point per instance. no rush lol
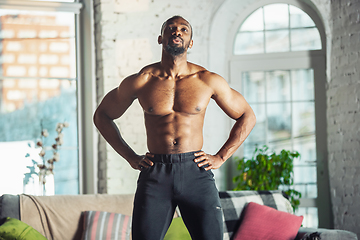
(64, 217)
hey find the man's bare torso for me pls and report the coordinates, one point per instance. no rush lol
(174, 108)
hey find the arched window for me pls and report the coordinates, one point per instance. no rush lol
(278, 64)
(277, 28)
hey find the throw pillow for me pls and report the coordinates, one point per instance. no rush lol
(233, 203)
(104, 225)
(265, 223)
(13, 228)
(177, 230)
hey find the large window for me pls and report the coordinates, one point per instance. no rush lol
(38, 90)
(277, 28)
(277, 63)
(283, 101)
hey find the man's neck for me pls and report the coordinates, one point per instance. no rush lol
(175, 66)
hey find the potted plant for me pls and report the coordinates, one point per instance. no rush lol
(268, 171)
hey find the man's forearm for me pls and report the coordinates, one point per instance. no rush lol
(111, 133)
(239, 132)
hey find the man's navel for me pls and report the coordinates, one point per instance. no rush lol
(175, 142)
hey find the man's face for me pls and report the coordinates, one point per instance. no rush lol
(176, 36)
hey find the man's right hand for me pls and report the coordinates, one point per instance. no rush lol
(142, 161)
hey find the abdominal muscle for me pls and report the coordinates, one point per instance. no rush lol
(174, 133)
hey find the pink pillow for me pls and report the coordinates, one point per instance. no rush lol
(266, 223)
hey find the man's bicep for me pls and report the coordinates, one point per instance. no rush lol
(232, 103)
(229, 100)
(117, 101)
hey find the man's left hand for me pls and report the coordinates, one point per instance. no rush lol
(212, 161)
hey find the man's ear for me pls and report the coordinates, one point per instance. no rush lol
(159, 40)
(191, 44)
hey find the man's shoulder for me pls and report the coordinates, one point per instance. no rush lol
(212, 80)
(208, 76)
(150, 70)
(202, 72)
(196, 68)
(142, 76)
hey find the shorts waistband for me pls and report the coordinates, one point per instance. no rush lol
(174, 158)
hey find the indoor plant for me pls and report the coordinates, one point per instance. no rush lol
(268, 171)
(46, 166)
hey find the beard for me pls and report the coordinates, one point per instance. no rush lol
(175, 50)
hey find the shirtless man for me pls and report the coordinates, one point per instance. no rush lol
(174, 94)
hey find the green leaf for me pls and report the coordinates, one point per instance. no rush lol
(267, 171)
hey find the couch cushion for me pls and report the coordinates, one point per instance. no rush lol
(233, 203)
(9, 206)
(105, 225)
(328, 234)
(177, 230)
(13, 228)
(261, 222)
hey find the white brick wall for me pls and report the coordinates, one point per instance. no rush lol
(343, 113)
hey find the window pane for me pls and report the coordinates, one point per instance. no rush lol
(307, 190)
(305, 39)
(305, 180)
(302, 84)
(277, 146)
(255, 22)
(311, 191)
(58, 0)
(310, 216)
(257, 134)
(305, 174)
(38, 91)
(303, 118)
(298, 18)
(21, 122)
(254, 86)
(306, 146)
(277, 41)
(14, 164)
(66, 171)
(17, 94)
(249, 43)
(279, 121)
(303, 36)
(249, 148)
(38, 44)
(278, 86)
(276, 16)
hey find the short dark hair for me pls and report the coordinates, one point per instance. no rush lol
(175, 17)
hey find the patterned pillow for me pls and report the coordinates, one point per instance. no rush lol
(108, 226)
(233, 203)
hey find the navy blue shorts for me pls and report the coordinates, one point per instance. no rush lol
(176, 180)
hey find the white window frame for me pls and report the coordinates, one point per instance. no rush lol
(88, 143)
(86, 81)
(315, 59)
